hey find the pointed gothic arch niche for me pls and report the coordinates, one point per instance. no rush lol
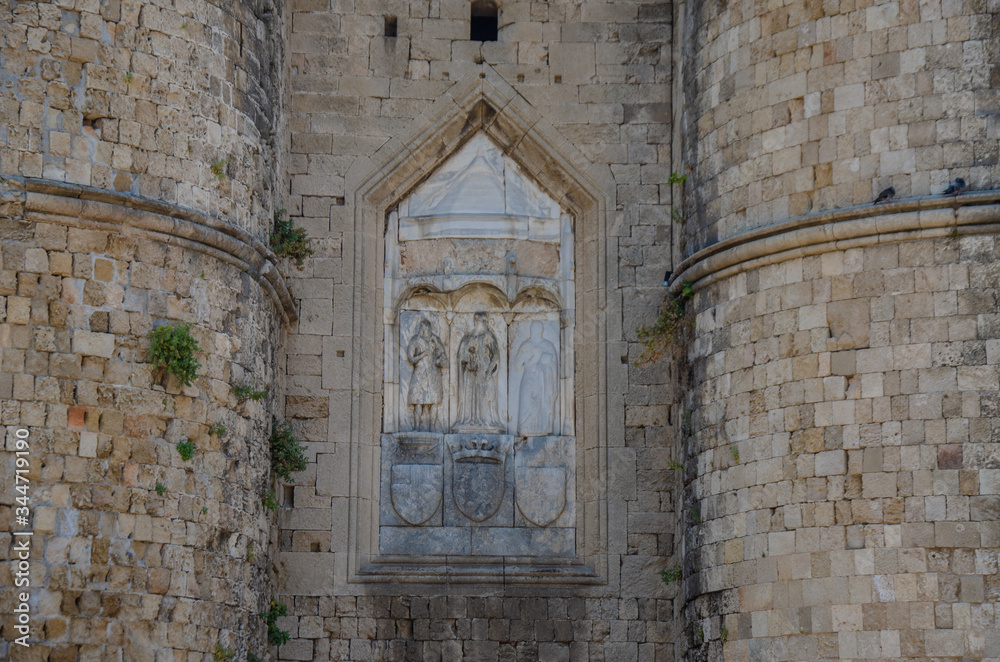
(483, 231)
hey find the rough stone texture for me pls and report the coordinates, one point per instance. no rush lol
(829, 484)
(599, 75)
(804, 106)
(857, 517)
(117, 566)
(144, 97)
(139, 99)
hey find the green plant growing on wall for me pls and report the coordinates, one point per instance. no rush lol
(736, 454)
(186, 449)
(250, 555)
(172, 346)
(676, 179)
(667, 328)
(222, 654)
(161, 489)
(204, 510)
(695, 515)
(287, 454)
(129, 77)
(218, 429)
(724, 634)
(290, 241)
(671, 575)
(275, 635)
(675, 465)
(248, 391)
(270, 502)
(676, 215)
(218, 168)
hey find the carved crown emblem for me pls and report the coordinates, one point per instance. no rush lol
(478, 450)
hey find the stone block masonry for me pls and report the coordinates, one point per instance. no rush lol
(137, 549)
(860, 518)
(817, 459)
(114, 115)
(143, 98)
(599, 80)
(800, 108)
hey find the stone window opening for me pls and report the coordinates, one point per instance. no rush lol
(391, 28)
(485, 23)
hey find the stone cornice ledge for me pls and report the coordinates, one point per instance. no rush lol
(914, 218)
(84, 206)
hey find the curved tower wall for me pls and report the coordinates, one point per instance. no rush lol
(138, 189)
(801, 107)
(842, 487)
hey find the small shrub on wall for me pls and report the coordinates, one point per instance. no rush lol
(287, 454)
(172, 347)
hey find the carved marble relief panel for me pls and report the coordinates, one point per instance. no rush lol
(424, 383)
(478, 452)
(534, 384)
(479, 368)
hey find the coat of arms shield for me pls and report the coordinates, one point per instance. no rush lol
(478, 488)
(540, 493)
(416, 491)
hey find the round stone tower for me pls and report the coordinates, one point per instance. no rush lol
(139, 182)
(843, 461)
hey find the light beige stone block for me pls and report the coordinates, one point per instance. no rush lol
(93, 344)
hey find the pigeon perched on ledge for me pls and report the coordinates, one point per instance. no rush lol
(885, 196)
(956, 187)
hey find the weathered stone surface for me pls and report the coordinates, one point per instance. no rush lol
(821, 445)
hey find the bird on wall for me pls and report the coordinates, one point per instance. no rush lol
(885, 196)
(956, 187)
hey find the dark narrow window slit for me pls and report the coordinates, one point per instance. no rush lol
(485, 21)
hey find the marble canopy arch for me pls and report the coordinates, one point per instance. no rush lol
(483, 104)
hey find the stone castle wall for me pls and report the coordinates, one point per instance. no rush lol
(810, 106)
(839, 464)
(113, 223)
(597, 76)
(143, 98)
(818, 455)
(844, 438)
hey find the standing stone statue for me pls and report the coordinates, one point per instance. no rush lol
(426, 353)
(539, 364)
(479, 360)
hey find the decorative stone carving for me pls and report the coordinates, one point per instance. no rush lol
(416, 491)
(427, 355)
(479, 360)
(412, 479)
(543, 478)
(478, 480)
(537, 361)
(477, 452)
(479, 193)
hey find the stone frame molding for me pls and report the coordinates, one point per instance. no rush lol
(852, 227)
(89, 208)
(481, 102)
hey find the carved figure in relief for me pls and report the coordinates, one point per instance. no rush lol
(479, 360)
(539, 364)
(426, 353)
